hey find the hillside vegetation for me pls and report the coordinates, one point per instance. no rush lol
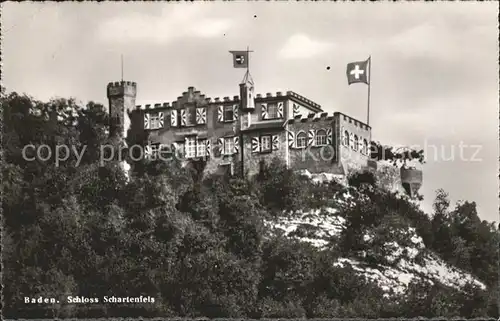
(279, 245)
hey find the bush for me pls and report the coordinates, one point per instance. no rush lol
(357, 179)
(281, 189)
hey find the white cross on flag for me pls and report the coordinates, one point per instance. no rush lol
(357, 72)
(240, 59)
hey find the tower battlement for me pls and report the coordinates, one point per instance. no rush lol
(311, 117)
(353, 121)
(122, 88)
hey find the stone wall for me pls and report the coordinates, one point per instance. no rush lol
(316, 159)
(212, 130)
(121, 99)
(352, 158)
(253, 158)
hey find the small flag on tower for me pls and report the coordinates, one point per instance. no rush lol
(357, 72)
(240, 59)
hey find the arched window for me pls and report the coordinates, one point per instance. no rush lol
(301, 140)
(365, 147)
(356, 143)
(351, 141)
(346, 138)
(320, 137)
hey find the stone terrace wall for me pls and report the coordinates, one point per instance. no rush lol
(315, 159)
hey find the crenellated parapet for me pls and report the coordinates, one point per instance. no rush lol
(157, 106)
(121, 88)
(194, 96)
(191, 96)
(302, 100)
(353, 122)
(311, 117)
(223, 101)
(315, 117)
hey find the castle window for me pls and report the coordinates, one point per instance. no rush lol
(355, 145)
(228, 145)
(301, 140)
(155, 148)
(228, 113)
(321, 138)
(154, 121)
(272, 111)
(351, 140)
(190, 147)
(265, 143)
(365, 147)
(346, 138)
(190, 117)
(201, 148)
(151, 150)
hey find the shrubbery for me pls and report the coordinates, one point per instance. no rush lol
(199, 246)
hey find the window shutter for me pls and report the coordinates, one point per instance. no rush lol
(280, 110)
(264, 111)
(220, 113)
(183, 117)
(236, 144)
(310, 137)
(255, 145)
(146, 121)
(296, 110)
(175, 149)
(276, 142)
(147, 151)
(173, 117)
(182, 150)
(208, 147)
(201, 115)
(178, 149)
(329, 136)
(160, 117)
(235, 112)
(351, 140)
(291, 139)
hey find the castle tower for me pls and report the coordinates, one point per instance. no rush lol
(247, 99)
(121, 97)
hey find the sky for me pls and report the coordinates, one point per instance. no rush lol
(434, 73)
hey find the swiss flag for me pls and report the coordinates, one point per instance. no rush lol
(358, 72)
(240, 59)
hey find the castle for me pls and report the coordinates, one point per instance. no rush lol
(235, 135)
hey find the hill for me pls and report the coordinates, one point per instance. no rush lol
(403, 265)
(211, 246)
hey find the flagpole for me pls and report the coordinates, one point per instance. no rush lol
(369, 84)
(122, 65)
(248, 59)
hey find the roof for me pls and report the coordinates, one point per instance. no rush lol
(265, 125)
(247, 78)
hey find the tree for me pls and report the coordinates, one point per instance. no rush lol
(399, 156)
